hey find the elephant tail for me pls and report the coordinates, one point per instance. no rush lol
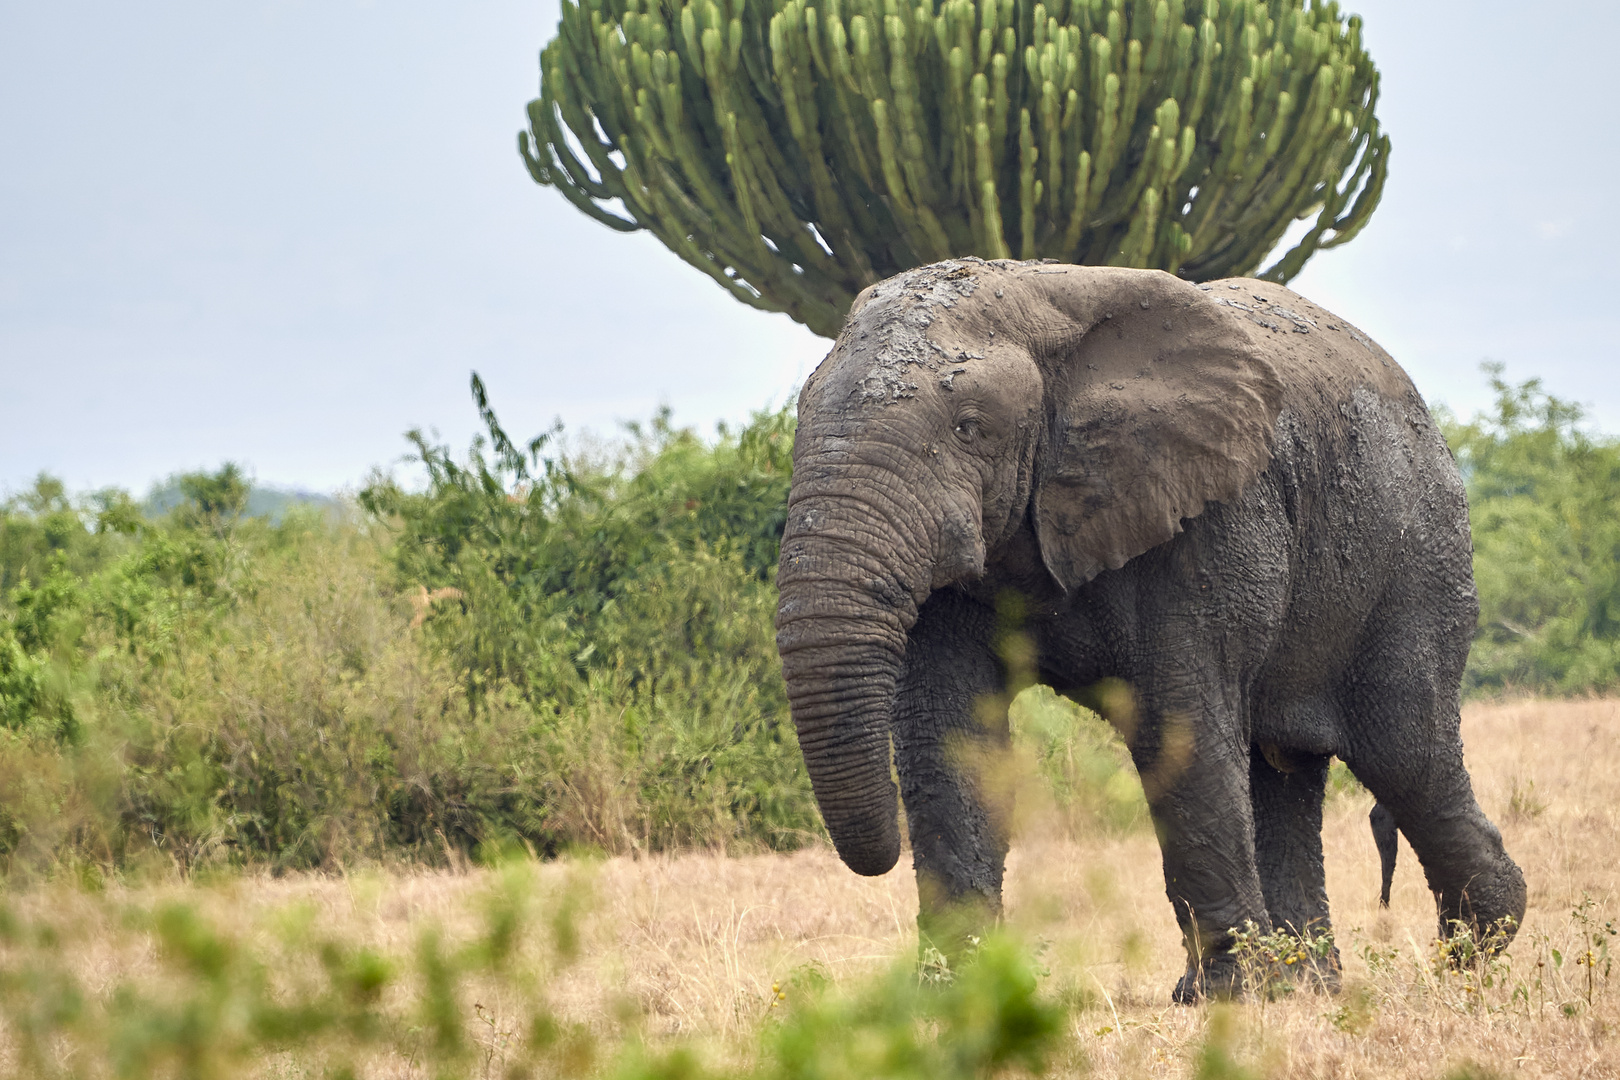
(1384, 836)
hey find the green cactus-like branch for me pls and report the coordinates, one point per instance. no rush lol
(797, 151)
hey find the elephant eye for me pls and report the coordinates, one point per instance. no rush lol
(967, 428)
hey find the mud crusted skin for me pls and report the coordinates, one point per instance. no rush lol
(1222, 496)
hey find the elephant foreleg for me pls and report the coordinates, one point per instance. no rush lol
(1196, 776)
(951, 738)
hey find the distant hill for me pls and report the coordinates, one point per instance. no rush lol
(266, 501)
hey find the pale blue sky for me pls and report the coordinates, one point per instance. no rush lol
(282, 231)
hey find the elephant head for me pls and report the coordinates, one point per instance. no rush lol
(962, 402)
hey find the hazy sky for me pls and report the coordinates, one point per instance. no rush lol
(281, 232)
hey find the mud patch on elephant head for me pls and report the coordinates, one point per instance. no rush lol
(888, 333)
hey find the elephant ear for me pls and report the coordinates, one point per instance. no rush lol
(1158, 402)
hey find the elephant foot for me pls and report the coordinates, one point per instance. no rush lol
(1220, 978)
(1229, 977)
(1483, 917)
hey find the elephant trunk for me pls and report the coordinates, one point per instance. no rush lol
(846, 604)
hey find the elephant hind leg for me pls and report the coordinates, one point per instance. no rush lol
(1475, 883)
(1406, 747)
(1288, 849)
(1288, 839)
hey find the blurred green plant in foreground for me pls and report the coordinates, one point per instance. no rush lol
(1085, 767)
(233, 1001)
(138, 986)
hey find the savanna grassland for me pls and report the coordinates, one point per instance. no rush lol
(493, 776)
(622, 965)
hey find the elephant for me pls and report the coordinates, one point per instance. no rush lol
(1218, 513)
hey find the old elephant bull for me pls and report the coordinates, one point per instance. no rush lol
(1220, 494)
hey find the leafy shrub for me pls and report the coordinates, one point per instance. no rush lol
(629, 604)
(543, 552)
(234, 690)
(551, 654)
(1544, 501)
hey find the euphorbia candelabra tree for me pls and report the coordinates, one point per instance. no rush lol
(799, 150)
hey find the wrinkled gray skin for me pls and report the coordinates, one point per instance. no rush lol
(1223, 497)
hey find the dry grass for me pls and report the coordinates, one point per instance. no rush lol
(696, 945)
(1547, 773)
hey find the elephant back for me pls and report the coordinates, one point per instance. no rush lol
(1321, 359)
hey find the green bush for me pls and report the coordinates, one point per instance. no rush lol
(543, 553)
(213, 688)
(1544, 501)
(581, 656)
(628, 604)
